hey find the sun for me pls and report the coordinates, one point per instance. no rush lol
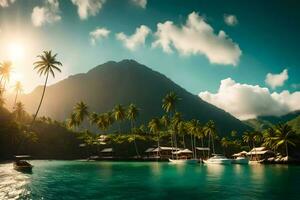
(16, 51)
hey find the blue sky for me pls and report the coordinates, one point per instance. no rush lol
(265, 32)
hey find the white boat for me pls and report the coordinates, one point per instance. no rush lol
(218, 159)
(240, 160)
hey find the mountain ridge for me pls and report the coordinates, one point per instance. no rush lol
(123, 83)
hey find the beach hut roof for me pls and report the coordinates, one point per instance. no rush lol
(165, 149)
(240, 153)
(149, 150)
(203, 148)
(107, 150)
(183, 151)
(259, 152)
(258, 149)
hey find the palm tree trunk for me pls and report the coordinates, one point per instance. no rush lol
(286, 150)
(135, 145)
(195, 147)
(183, 140)
(158, 149)
(16, 97)
(41, 98)
(208, 145)
(172, 143)
(192, 146)
(213, 145)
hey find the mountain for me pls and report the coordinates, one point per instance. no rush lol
(262, 122)
(123, 83)
(280, 119)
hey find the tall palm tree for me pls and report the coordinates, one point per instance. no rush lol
(72, 122)
(268, 138)
(181, 129)
(5, 73)
(177, 118)
(169, 106)
(19, 111)
(93, 118)
(102, 122)
(154, 126)
(119, 114)
(194, 128)
(132, 114)
(285, 136)
(169, 102)
(18, 89)
(47, 64)
(248, 138)
(81, 111)
(211, 132)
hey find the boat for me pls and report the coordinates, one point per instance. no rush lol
(218, 159)
(20, 164)
(240, 160)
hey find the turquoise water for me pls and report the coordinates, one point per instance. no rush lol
(149, 180)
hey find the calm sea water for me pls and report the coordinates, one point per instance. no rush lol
(139, 180)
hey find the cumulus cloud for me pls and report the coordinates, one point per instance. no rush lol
(86, 8)
(140, 3)
(249, 101)
(49, 13)
(6, 3)
(230, 20)
(98, 34)
(134, 41)
(277, 80)
(197, 37)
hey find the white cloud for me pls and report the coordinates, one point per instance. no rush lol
(5, 3)
(98, 34)
(49, 13)
(88, 8)
(277, 80)
(134, 41)
(197, 37)
(230, 20)
(140, 3)
(249, 101)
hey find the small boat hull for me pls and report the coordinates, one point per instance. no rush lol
(218, 162)
(24, 167)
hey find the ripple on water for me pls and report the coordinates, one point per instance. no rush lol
(12, 183)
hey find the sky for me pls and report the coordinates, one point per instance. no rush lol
(242, 56)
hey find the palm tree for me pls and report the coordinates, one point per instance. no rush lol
(72, 122)
(225, 144)
(248, 138)
(169, 105)
(132, 114)
(5, 72)
(46, 65)
(181, 129)
(268, 138)
(19, 111)
(286, 136)
(102, 122)
(169, 102)
(175, 121)
(210, 131)
(155, 126)
(93, 118)
(18, 89)
(81, 111)
(119, 114)
(194, 128)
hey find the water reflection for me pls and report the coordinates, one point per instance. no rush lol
(13, 183)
